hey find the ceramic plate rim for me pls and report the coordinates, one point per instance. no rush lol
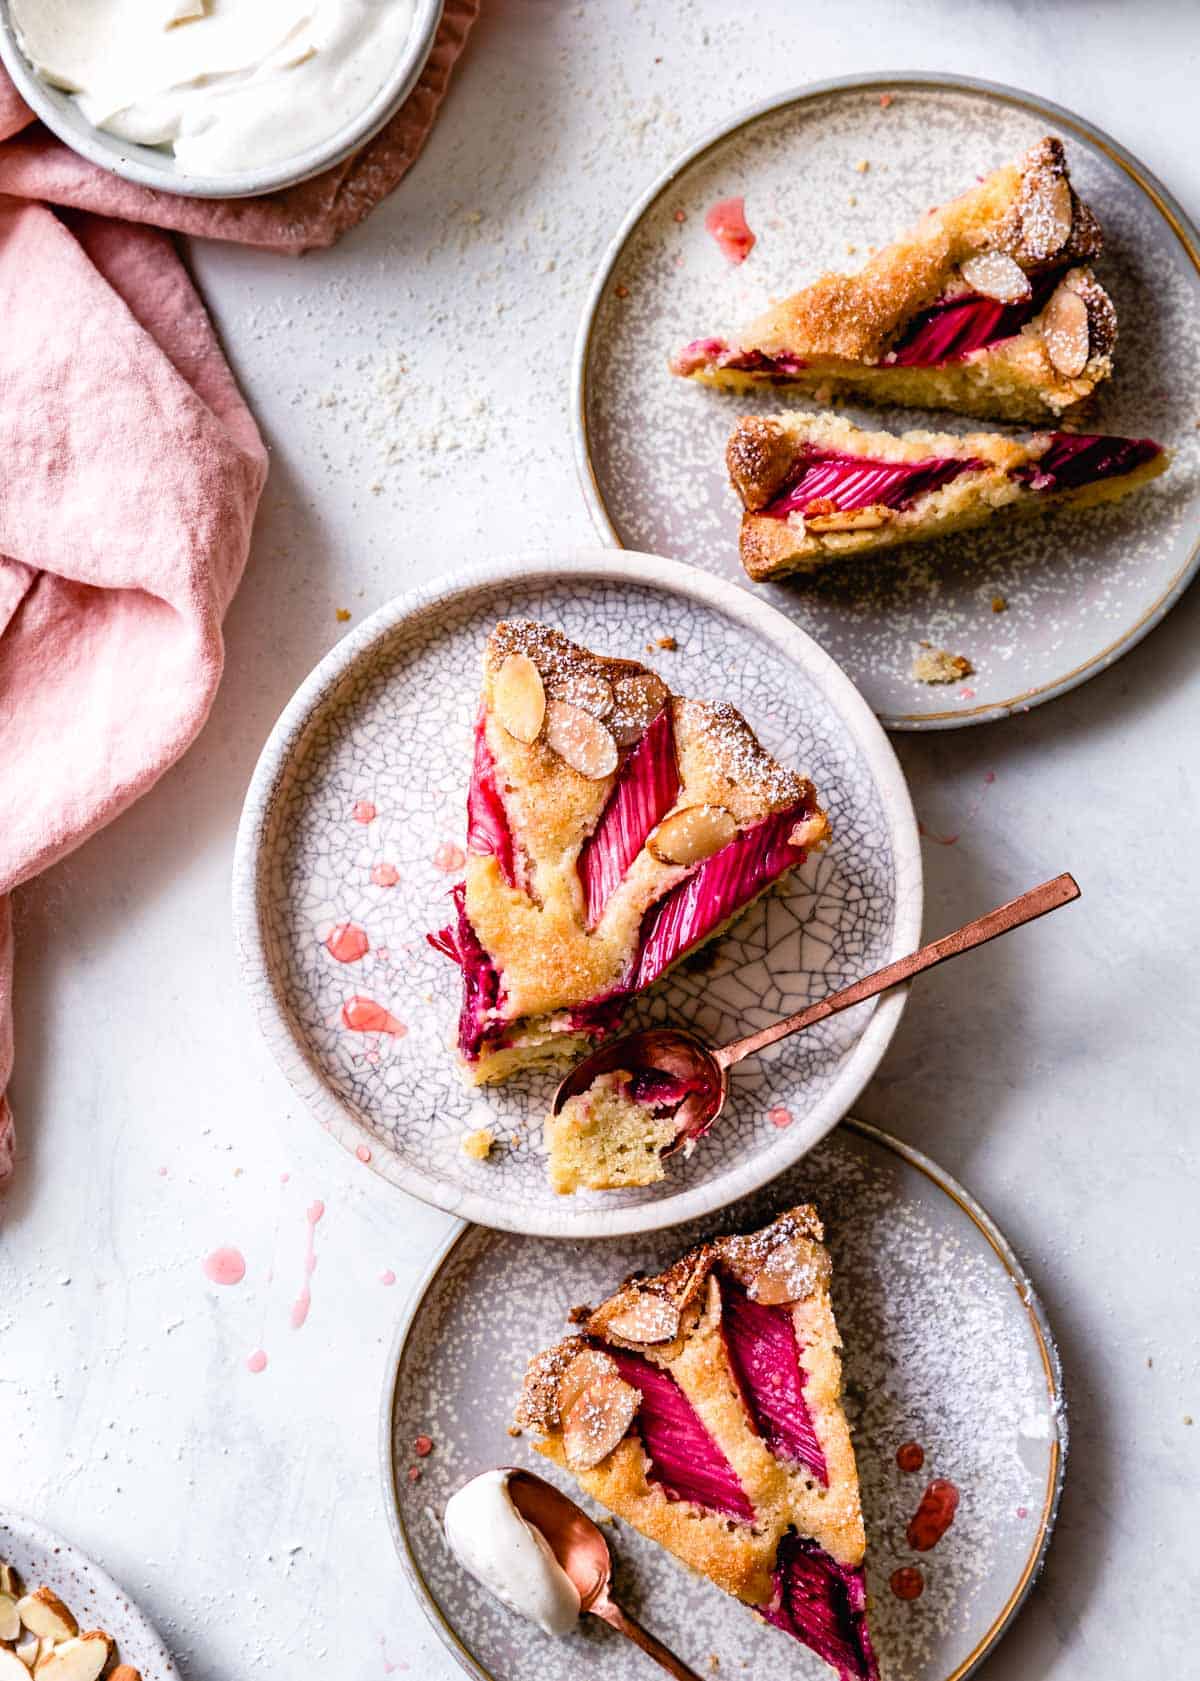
(1043, 1336)
(606, 565)
(37, 1534)
(1176, 218)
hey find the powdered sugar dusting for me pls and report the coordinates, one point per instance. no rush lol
(939, 1347)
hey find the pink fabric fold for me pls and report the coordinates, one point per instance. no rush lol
(33, 164)
(132, 469)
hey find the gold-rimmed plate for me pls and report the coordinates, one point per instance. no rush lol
(946, 1344)
(1077, 588)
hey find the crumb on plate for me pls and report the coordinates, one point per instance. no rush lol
(939, 665)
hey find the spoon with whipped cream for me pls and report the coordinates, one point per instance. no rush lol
(672, 1069)
(542, 1556)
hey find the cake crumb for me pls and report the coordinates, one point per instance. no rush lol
(885, 99)
(852, 200)
(578, 1315)
(342, 615)
(999, 604)
(666, 642)
(939, 665)
(850, 249)
(514, 1430)
(478, 1144)
(863, 165)
(622, 291)
(1187, 1418)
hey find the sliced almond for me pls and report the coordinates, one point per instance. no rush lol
(850, 519)
(647, 1319)
(810, 831)
(10, 1582)
(28, 1649)
(12, 1664)
(587, 689)
(637, 702)
(587, 1367)
(519, 698)
(76, 1660)
(581, 740)
(690, 835)
(598, 1421)
(1047, 212)
(1065, 332)
(10, 1618)
(43, 1612)
(792, 1272)
(125, 1672)
(994, 274)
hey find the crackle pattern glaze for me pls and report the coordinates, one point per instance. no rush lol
(43, 1559)
(1079, 587)
(353, 836)
(941, 1346)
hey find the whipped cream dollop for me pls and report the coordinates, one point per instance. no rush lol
(508, 1555)
(227, 85)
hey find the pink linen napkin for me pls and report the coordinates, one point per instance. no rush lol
(132, 469)
(33, 164)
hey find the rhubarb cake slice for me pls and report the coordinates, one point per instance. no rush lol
(703, 1406)
(986, 306)
(816, 487)
(612, 826)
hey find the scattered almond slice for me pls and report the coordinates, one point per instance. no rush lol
(519, 698)
(10, 1618)
(28, 1649)
(691, 835)
(637, 702)
(648, 1319)
(125, 1672)
(12, 1664)
(80, 1659)
(10, 1582)
(43, 1612)
(792, 1272)
(588, 690)
(580, 740)
(1065, 332)
(588, 1366)
(598, 1421)
(850, 519)
(1047, 213)
(996, 275)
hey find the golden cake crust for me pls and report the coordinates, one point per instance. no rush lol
(673, 1320)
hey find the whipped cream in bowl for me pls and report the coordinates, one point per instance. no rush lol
(508, 1555)
(216, 98)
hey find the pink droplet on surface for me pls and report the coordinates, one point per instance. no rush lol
(990, 777)
(780, 1117)
(347, 943)
(257, 1362)
(1022, 1511)
(284, 1177)
(364, 812)
(363, 1153)
(387, 1276)
(385, 875)
(303, 1301)
(162, 1173)
(225, 1266)
(364, 1015)
(449, 857)
(726, 222)
(966, 694)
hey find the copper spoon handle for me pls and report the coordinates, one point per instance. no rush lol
(1050, 896)
(620, 1620)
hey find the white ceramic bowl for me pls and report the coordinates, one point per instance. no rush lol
(152, 166)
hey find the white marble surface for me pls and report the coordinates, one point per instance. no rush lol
(1056, 1076)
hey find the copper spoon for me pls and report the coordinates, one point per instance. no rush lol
(683, 1057)
(579, 1546)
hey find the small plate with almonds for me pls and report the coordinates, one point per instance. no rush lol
(62, 1618)
(848, 340)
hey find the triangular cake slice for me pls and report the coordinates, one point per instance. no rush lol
(987, 306)
(612, 827)
(816, 488)
(703, 1406)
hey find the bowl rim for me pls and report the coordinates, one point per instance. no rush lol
(140, 164)
(1074, 126)
(288, 1046)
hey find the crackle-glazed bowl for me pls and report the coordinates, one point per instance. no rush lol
(355, 818)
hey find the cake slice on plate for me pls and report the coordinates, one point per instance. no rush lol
(816, 487)
(987, 306)
(612, 827)
(703, 1406)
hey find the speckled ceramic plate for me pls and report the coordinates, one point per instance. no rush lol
(42, 1558)
(945, 1344)
(355, 815)
(1081, 587)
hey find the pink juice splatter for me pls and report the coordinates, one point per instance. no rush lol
(225, 1266)
(257, 1362)
(347, 943)
(449, 857)
(387, 1276)
(780, 1117)
(303, 1301)
(726, 222)
(363, 812)
(385, 875)
(364, 1015)
(363, 1153)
